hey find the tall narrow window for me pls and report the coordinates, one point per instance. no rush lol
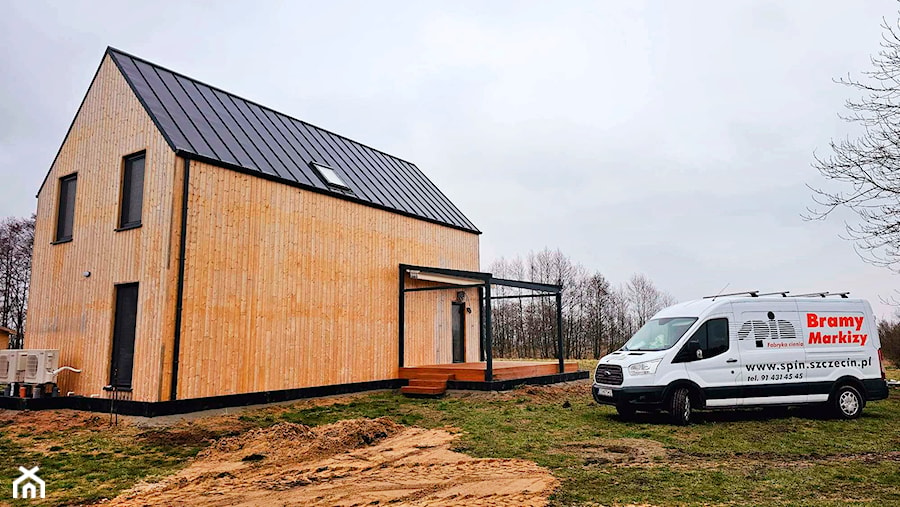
(122, 361)
(65, 216)
(132, 191)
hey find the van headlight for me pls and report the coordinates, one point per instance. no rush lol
(645, 368)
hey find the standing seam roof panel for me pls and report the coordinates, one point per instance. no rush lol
(271, 159)
(365, 161)
(200, 122)
(439, 200)
(296, 169)
(400, 186)
(436, 207)
(312, 151)
(175, 111)
(154, 107)
(276, 124)
(304, 151)
(324, 156)
(382, 191)
(440, 195)
(259, 161)
(288, 165)
(363, 173)
(216, 123)
(208, 122)
(352, 178)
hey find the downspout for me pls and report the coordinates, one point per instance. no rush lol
(182, 247)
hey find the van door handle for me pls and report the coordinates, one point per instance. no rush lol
(731, 361)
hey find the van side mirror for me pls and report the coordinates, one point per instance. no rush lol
(689, 352)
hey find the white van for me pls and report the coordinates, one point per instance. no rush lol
(730, 352)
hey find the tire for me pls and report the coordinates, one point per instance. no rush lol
(680, 409)
(847, 403)
(626, 412)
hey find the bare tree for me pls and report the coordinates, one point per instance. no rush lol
(867, 169)
(644, 299)
(597, 318)
(16, 242)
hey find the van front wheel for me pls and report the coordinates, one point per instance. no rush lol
(680, 407)
(848, 403)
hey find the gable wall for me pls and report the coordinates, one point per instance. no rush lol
(75, 313)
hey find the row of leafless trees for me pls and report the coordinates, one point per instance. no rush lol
(889, 333)
(16, 241)
(597, 316)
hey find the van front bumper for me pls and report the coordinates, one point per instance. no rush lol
(639, 397)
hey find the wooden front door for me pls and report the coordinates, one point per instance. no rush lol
(122, 362)
(459, 333)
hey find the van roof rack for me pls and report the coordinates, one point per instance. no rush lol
(783, 293)
(842, 295)
(751, 293)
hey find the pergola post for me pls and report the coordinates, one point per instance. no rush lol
(401, 318)
(481, 323)
(489, 355)
(559, 332)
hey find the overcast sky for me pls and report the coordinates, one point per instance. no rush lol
(672, 139)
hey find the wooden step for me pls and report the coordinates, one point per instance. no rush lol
(421, 382)
(433, 376)
(424, 391)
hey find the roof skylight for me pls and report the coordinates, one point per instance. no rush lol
(329, 175)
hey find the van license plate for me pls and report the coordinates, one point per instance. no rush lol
(605, 392)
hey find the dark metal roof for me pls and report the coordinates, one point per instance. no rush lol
(205, 123)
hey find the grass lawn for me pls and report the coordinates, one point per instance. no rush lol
(736, 458)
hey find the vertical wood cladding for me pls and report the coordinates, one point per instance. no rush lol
(74, 313)
(289, 288)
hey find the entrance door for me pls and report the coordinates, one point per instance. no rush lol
(459, 333)
(122, 362)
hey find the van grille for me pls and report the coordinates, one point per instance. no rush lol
(608, 374)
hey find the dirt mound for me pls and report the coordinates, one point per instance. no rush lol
(286, 441)
(355, 462)
(49, 421)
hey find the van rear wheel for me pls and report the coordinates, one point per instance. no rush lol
(680, 407)
(847, 403)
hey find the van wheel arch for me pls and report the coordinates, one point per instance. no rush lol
(851, 381)
(697, 397)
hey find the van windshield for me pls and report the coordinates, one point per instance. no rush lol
(659, 334)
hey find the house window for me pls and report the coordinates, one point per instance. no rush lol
(132, 191)
(65, 213)
(330, 176)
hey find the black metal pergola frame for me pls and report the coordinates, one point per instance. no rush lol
(483, 281)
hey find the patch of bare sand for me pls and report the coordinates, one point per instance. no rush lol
(618, 451)
(51, 421)
(355, 462)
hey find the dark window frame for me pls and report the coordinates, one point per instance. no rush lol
(62, 207)
(115, 384)
(687, 352)
(126, 222)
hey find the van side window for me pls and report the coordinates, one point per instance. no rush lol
(711, 338)
(717, 338)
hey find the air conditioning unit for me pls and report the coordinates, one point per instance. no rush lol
(8, 370)
(39, 366)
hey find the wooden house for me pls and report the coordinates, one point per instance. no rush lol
(193, 244)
